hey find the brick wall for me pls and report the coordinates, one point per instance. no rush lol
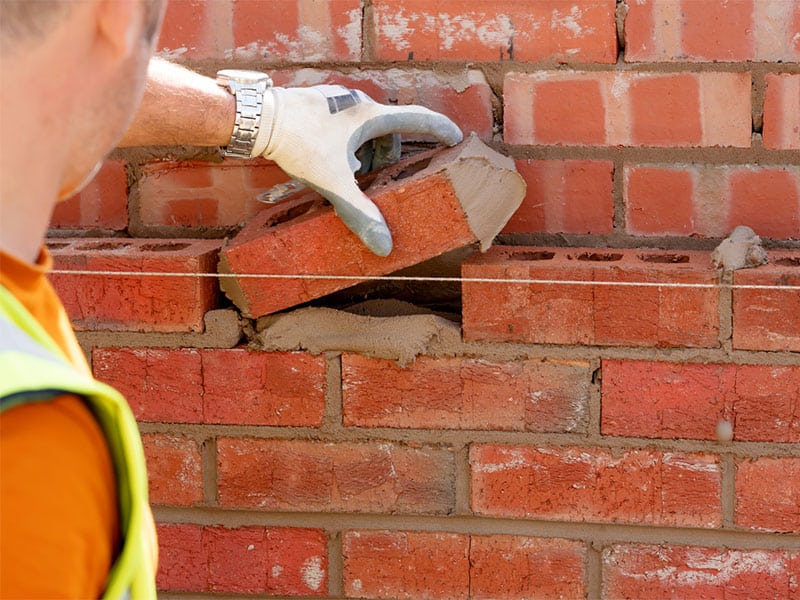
(575, 441)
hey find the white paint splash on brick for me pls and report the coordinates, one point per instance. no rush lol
(679, 461)
(569, 21)
(312, 572)
(515, 459)
(702, 568)
(396, 28)
(351, 33)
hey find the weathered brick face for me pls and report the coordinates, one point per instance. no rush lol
(606, 416)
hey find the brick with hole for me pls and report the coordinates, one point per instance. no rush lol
(670, 571)
(433, 203)
(587, 484)
(174, 302)
(551, 312)
(466, 393)
(768, 319)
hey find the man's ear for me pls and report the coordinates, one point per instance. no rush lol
(119, 23)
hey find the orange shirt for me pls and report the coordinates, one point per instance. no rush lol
(59, 528)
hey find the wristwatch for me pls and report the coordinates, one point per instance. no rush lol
(248, 87)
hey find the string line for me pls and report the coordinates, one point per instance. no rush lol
(432, 279)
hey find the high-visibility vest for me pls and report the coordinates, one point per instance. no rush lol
(34, 369)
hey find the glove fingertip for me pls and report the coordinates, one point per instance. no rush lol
(378, 240)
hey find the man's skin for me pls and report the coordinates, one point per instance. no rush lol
(69, 97)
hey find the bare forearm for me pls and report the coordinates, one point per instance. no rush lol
(181, 107)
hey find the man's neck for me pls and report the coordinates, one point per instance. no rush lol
(29, 188)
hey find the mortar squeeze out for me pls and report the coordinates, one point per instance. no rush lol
(318, 329)
(740, 250)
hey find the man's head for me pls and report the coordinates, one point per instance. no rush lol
(24, 21)
(73, 73)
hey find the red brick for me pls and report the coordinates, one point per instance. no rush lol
(237, 559)
(565, 196)
(767, 199)
(569, 112)
(552, 313)
(627, 108)
(645, 571)
(182, 558)
(160, 384)
(135, 302)
(547, 30)
(506, 567)
(709, 30)
(717, 31)
(276, 31)
(359, 477)
(196, 194)
(466, 393)
(768, 494)
(766, 401)
(665, 110)
(287, 30)
(687, 400)
(189, 30)
(102, 204)
(270, 388)
(596, 485)
(782, 110)
(297, 561)
(768, 319)
(709, 200)
(174, 469)
(665, 400)
(429, 212)
(277, 560)
(658, 201)
(406, 565)
(465, 96)
(195, 386)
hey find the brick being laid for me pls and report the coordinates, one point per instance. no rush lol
(97, 300)
(529, 303)
(433, 202)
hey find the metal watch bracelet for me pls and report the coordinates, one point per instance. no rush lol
(248, 87)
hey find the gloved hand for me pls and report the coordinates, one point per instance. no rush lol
(313, 134)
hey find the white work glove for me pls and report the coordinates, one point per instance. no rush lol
(313, 135)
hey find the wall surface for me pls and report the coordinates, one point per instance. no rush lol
(553, 439)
